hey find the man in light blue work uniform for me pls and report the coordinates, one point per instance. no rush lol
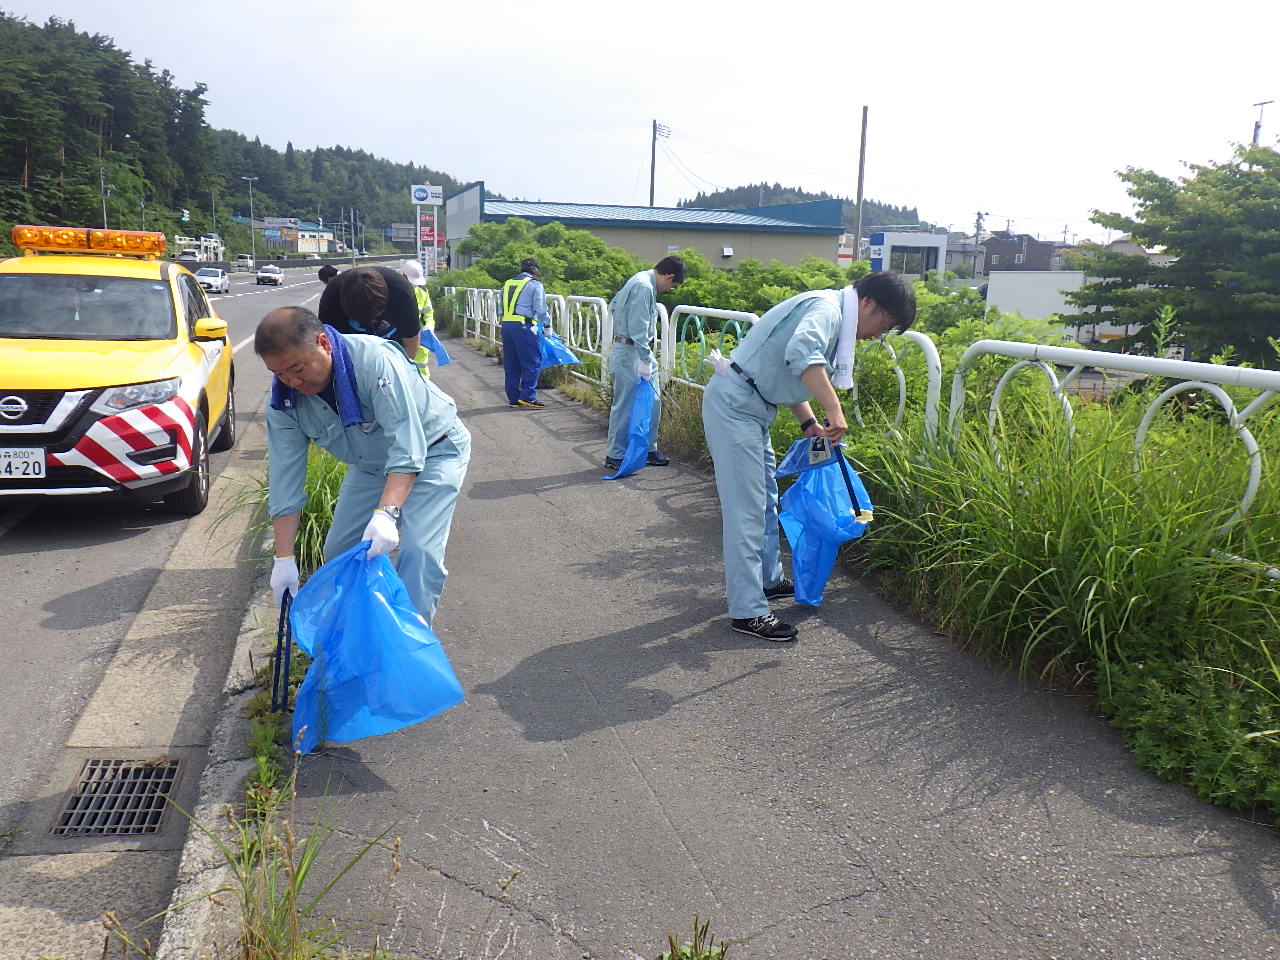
(785, 358)
(362, 399)
(524, 314)
(635, 324)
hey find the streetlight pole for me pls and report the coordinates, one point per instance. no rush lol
(1257, 127)
(253, 246)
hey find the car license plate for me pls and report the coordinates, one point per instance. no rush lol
(17, 463)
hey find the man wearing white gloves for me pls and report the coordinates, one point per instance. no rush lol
(800, 349)
(635, 324)
(363, 400)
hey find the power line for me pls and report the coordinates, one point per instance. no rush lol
(708, 145)
(684, 168)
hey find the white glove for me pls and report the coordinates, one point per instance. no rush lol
(547, 329)
(383, 532)
(645, 370)
(284, 577)
(717, 361)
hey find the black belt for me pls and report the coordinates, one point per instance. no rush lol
(519, 319)
(627, 340)
(443, 436)
(743, 374)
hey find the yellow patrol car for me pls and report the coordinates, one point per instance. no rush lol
(115, 372)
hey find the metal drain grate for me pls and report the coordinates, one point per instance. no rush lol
(118, 798)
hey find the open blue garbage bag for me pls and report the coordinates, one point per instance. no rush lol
(825, 507)
(554, 351)
(429, 340)
(637, 454)
(376, 666)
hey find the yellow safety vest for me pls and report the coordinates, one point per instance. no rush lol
(510, 294)
(426, 312)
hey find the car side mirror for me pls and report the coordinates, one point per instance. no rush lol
(211, 328)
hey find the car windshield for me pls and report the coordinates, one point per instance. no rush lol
(71, 307)
(270, 269)
(207, 272)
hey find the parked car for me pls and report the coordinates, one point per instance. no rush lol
(116, 373)
(244, 262)
(313, 256)
(214, 279)
(270, 273)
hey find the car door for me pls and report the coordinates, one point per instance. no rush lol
(214, 355)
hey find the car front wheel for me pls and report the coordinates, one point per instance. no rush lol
(194, 497)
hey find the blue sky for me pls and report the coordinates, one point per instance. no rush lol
(1024, 111)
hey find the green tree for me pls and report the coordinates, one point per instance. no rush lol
(1221, 226)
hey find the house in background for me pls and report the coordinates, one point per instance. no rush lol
(1020, 251)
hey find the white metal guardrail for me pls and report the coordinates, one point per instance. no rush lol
(1207, 377)
(686, 329)
(586, 325)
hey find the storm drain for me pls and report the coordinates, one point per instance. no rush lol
(118, 798)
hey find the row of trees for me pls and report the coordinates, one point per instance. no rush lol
(82, 127)
(874, 214)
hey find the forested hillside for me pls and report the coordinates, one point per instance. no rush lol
(79, 120)
(764, 194)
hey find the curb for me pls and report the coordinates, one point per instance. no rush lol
(195, 927)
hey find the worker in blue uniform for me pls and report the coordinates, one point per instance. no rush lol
(786, 358)
(631, 359)
(364, 400)
(524, 315)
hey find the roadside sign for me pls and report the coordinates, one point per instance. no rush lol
(427, 193)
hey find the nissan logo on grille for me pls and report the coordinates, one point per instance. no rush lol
(12, 408)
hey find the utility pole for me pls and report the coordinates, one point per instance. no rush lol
(253, 245)
(857, 213)
(1257, 127)
(977, 232)
(103, 192)
(658, 131)
(653, 159)
(213, 209)
(142, 202)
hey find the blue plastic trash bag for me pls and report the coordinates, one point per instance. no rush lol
(432, 343)
(376, 666)
(554, 351)
(805, 454)
(825, 507)
(637, 454)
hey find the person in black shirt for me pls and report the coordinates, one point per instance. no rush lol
(377, 301)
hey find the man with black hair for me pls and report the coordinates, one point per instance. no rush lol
(377, 301)
(524, 314)
(327, 273)
(800, 349)
(635, 325)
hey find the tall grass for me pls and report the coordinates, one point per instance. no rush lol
(1053, 551)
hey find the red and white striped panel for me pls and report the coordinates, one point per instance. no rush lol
(105, 446)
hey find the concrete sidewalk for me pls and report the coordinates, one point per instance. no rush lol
(869, 791)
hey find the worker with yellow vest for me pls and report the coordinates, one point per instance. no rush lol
(412, 271)
(524, 312)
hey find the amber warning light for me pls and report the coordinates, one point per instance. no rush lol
(134, 243)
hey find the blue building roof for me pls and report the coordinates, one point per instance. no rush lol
(818, 216)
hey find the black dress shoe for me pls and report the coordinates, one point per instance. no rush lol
(611, 463)
(656, 459)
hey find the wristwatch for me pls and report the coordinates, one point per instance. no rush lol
(391, 511)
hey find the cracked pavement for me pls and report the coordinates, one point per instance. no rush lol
(870, 791)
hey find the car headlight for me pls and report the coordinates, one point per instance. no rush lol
(120, 399)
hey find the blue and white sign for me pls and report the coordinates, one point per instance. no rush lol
(427, 193)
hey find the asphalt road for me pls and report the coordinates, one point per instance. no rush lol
(77, 572)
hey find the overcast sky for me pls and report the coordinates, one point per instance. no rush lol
(1024, 110)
